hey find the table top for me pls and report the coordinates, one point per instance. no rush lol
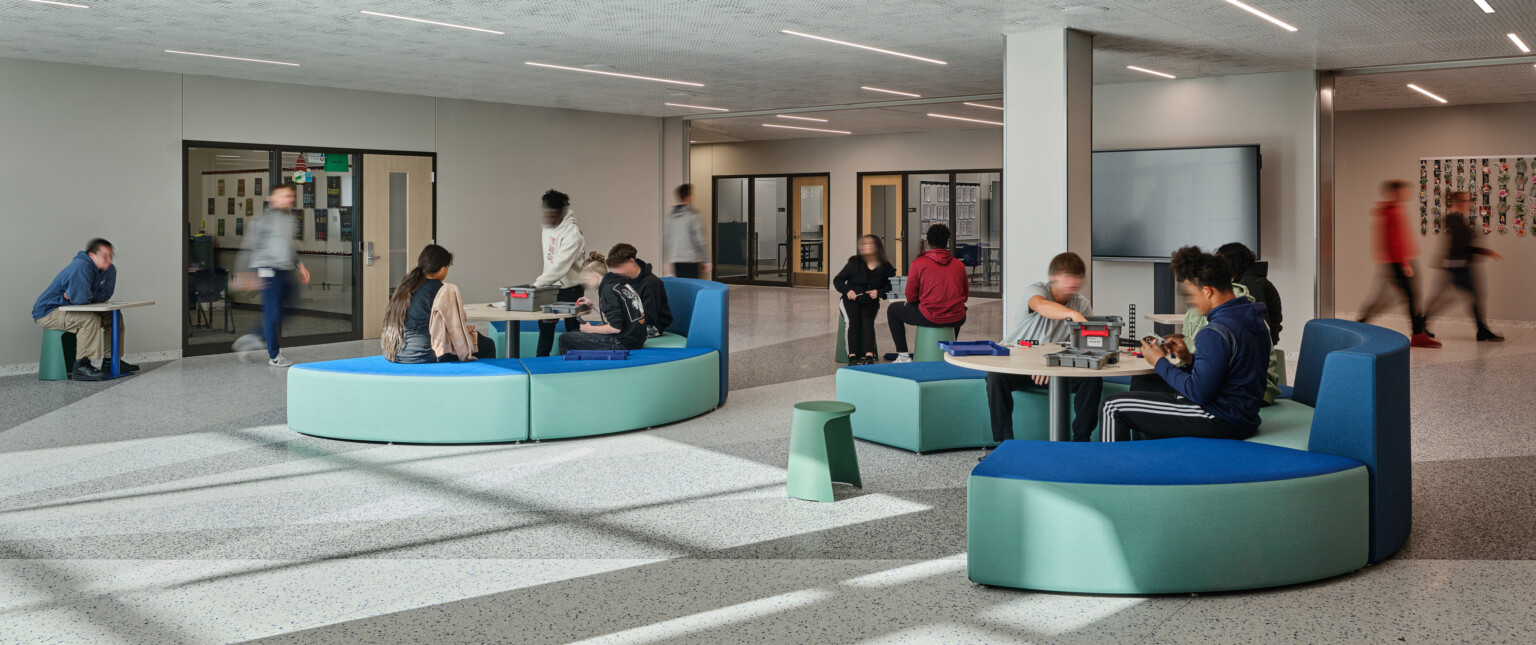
(108, 306)
(1030, 361)
(1166, 319)
(487, 312)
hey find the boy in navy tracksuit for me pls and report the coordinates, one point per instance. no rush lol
(1219, 397)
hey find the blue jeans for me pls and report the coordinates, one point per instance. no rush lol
(275, 294)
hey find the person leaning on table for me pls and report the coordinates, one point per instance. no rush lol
(89, 278)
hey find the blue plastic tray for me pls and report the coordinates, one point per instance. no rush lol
(597, 355)
(973, 348)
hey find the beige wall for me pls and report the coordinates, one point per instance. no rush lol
(1373, 146)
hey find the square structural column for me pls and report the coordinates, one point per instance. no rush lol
(1047, 155)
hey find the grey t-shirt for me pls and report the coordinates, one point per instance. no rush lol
(1030, 325)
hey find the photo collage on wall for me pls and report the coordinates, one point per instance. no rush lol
(1499, 185)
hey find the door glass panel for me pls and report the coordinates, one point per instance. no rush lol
(812, 228)
(398, 194)
(323, 233)
(770, 229)
(731, 228)
(927, 204)
(979, 228)
(222, 184)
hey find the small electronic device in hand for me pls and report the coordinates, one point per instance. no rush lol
(1154, 340)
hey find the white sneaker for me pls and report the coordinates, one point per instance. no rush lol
(280, 361)
(903, 358)
(248, 342)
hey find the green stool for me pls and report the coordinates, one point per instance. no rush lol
(927, 348)
(58, 358)
(821, 450)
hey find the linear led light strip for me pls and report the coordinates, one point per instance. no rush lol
(1282, 24)
(1426, 93)
(1519, 43)
(796, 127)
(961, 118)
(248, 60)
(1484, 5)
(62, 4)
(989, 107)
(433, 22)
(800, 118)
(873, 49)
(598, 71)
(1148, 71)
(876, 89)
(698, 107)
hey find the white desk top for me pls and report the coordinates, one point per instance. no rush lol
(108, 306)
(1166, 319)
(1031, 362)
(487, 312)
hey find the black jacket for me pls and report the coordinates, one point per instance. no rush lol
(622, 310)
(653, 292)
(857, 277)
(1460, 249)
(1256, 280)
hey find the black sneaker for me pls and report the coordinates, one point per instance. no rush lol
(1488, 335)
(126, 367)
(84, 371)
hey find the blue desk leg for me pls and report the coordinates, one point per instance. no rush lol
(117, 343)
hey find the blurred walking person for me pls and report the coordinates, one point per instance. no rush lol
(686, 249)
(270, 262)
(1460, 255)
(1396, 254)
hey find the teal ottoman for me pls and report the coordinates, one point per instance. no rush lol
(372, 399)
(655, 386)
(1170, 516)
(931, 406)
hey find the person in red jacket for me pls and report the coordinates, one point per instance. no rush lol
(937, 288)
(1395, 252)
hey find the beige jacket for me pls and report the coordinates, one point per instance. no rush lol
(449, 333)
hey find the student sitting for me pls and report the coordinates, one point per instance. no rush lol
(89, 278)
(624, 323)
(861, 284)
(653, 295)
(1219, 396)
(424, 322)
(1047, 307)
(1253, 275)
(936, 292)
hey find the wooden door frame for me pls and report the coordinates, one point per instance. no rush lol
(796, 230)
(902, 266)
(865, 224)
(714, 222)
(363, 326)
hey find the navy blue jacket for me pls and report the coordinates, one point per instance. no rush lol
(81, 281)
(1227, 379)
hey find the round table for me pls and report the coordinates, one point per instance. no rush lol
(1030, 361)
(514, 335)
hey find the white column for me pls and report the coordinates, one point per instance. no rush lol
(1047, 155)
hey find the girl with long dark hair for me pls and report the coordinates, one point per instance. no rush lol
(424, 322)
(861, 284)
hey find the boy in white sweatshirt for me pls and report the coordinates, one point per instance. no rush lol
(562, 253)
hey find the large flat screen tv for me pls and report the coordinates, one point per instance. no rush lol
(1148, 203)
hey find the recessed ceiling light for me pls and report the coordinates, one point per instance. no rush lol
(873, 49)
(1484, 5)
(961, 118)
(796, 127)
(594, 71)
(1148, 71)
(433, 22)
(62, 4)
(1282, 24)
(989, 107)
(1426, 93)
(1520, 43)
(876, 89)
(1084, 11)
(699, 107)
(248, 60)
(799, 118)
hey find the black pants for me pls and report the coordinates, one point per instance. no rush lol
(1458, 279)
(1395, 278)
(484, 348)
(861, 316)
(1086, 393)
(901, 314)
(685, 269)
(1159, 415)
(547, 327)
(584, 340)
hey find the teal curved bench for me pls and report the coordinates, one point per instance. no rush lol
(372, 399)
(655, 386)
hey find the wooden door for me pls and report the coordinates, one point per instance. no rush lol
(808, 231)
(396, 226)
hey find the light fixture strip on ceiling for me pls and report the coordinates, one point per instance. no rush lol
(989, 107)
(598, 71)
(1519, 43)
(1485, 6)
(876, 89)
(1427, 93)
(62, 4)
(699, 107)
(432, 22)
(799, 118)
(1282, 24)
(796, 127)
(873, 49)
(961, 118)
(248, 60)
(1149, 71)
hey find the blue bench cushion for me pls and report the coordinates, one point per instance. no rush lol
(921, 372)
(637, 358)
(1166, 462)
(377, 365)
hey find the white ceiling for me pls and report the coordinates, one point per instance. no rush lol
(1467, 86)
(734, 46)
(886, 120)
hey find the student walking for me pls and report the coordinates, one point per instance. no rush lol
(270, 262)
(1461, 254)
(1395, 253)
(562, 253)
(686, 249)
(937, 289)
(424, 322)
(89, 278)
(860, 286)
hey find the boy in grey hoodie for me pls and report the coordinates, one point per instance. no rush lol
(686, 249)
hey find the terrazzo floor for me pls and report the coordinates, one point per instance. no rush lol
(175, 507)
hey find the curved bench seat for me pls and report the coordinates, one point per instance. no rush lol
(655, 386)
(372, 399)
(529, 340)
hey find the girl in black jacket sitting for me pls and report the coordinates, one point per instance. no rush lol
(861, 283)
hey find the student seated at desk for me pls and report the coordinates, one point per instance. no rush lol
(1047, 307)
(653, 295)
(1219, 396)
(624, 322)
(936, 293)
(424, 322)
(89, 278)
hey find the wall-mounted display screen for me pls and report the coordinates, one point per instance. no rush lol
(1148, 203)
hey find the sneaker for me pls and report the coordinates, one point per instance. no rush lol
(280, 361)
(1488, 335)
(84, 371)
(126, 367)
(903, 358)
(869, 360)
(248, 343)
(1423, 340)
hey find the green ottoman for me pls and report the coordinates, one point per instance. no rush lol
(1170, 516)
(372, 399)
(821, 450)
(58, 357)
(924, 407)
(927, 348)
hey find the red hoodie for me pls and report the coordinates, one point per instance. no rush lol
(939, 286)
(1394, 244)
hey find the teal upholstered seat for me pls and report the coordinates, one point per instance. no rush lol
(528, 342)
(655, 386)
(371, 399)
(1286, 423)
(931, 406)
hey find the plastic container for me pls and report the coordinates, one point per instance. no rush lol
(973, 348)
(1092, 359)
(597, 355)
(529, 298)
(1099, 333)
(898, 288)
(562, 308)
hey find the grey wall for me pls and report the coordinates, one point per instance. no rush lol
(1373, 146)
(95, 151)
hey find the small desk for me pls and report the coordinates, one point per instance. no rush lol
(1166, 319)
(1030, 361)
(514, 337)
(116, 307)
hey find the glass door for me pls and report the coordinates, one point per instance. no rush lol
(979, 230)
(324, 228)
(808, 230)
(772, 246)
(225, 189)
(927, 204)
(732, 231)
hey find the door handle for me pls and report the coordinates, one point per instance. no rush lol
(368, 256)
